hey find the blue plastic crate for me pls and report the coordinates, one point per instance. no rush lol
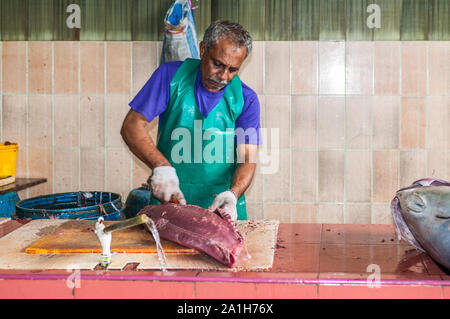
(8, 204)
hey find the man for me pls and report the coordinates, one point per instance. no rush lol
(197, 97)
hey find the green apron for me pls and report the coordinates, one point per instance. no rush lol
(202, 150)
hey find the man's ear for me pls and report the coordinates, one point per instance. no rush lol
(202, 49)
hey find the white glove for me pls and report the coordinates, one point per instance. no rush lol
(165, 184)
(227, 201)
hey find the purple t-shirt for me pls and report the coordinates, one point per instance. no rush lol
(153, 100)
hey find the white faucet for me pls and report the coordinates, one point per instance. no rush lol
(104, 233)
(105, 241)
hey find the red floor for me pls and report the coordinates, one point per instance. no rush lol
(311, 261)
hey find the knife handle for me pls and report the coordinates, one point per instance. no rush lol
(174, 200)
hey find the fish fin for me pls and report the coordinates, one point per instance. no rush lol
(430, 182)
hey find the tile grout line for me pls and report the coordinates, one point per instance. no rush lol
(264, 119)
(286, 148)
(79, 116)
(53, 116)
(79, 122)
(130, 185)
(317, 148)
(344, 182)
(372, 106)
(399, 114)
(290, 134)
(427, 106)
(318, 259)
(27, 192)
(295, 94)
(352, 203)
(105, 93)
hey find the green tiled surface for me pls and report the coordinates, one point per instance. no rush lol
(252, 17)
(438, 20)
(391, 14)
(270, 20)
(356, 28)
(93, 20)
(118, 20)
(15, 20)
(332, 19)
(202, 16)
(305, 14)
(224, 9)
(40, 20)
(144, 20)
(60, 30)
(414, 22)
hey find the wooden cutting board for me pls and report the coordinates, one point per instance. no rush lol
(77, 236)
(257, 255)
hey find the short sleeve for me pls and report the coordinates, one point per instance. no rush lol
(153, 98)
(248, 123)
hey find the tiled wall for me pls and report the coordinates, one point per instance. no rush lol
(357, 120)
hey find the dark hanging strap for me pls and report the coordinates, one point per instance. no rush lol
(102, 210)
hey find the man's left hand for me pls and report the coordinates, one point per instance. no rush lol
(226, 201)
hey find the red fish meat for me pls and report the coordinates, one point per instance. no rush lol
(212, 233)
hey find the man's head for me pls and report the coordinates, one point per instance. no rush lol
(224, 47)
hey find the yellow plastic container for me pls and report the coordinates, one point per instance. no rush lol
(8, 159)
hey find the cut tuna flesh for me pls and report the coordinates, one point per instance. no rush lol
(198, 228)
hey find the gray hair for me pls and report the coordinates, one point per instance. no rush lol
(231, 31)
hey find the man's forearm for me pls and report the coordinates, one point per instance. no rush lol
(141, 144)
(144, 148)
(242, 178)
(245, 170)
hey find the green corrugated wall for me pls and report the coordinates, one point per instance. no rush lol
(269, 20)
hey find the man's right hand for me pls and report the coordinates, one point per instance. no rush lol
(164, 183)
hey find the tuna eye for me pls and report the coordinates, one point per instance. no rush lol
(415, 203)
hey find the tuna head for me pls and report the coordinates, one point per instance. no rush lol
(426, 211)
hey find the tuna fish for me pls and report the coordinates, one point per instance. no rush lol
(211, 233)
(421, 214)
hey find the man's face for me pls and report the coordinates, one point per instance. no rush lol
(220, 64)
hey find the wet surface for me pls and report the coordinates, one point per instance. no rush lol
(351, 251)
(328, 251)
